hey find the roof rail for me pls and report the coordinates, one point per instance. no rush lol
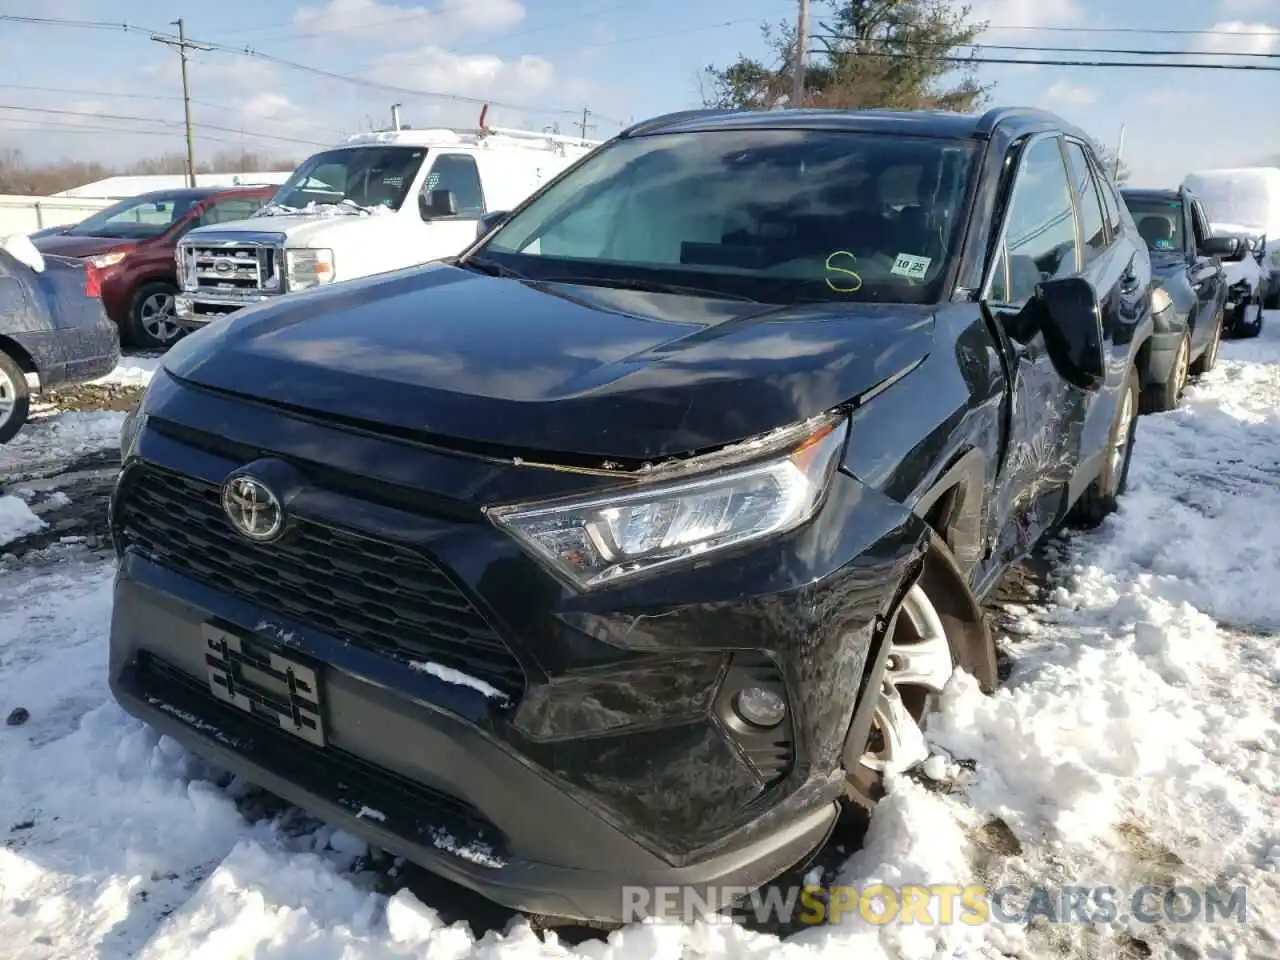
(657, 123)
(551, 138)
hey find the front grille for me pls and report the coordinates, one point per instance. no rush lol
(230, 268)
(407, 807)
(373, 593)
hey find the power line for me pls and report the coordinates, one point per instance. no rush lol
(67, 22)
(110, 95)
(171, 123)
(1171, 32)
(1117, 51)
(1132, 64)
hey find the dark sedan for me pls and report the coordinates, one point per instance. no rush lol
(622, 549)
(1192, 292)
(51, 325)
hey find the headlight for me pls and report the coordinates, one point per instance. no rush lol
(1160, 300)
(104, 260)
(308, 268)
(605, 538)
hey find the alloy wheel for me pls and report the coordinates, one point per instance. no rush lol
(158, 318)
(1122, 436)
(918, 667)
(1181, 367)
(8, 397)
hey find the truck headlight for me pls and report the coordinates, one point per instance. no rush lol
(308, 268)
(1160, 300)
(601, 539)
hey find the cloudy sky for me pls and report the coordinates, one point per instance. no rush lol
(540, 62)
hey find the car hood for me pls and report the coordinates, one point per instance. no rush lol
(303, 230)
(65, 246)
(1167, 262)
(442, 353)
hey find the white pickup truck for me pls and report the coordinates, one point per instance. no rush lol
(377, 202)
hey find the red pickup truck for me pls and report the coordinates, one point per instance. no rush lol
(132, 244)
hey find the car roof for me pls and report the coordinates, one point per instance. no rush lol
(201, 193)
(1152, 193)
(1015, 121)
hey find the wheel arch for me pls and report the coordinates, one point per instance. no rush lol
(19, 354)
(952, 506)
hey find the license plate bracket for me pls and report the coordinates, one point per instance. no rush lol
(250, 676)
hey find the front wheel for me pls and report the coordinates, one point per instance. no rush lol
(938, 626)
(1207, 360)
(1162, 397)
(152, 322)
(1101, 498)
(1251, 327)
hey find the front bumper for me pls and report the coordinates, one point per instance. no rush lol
(609, 766)
(196, 310)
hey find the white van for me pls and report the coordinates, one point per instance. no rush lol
(377, 202)
(1245, 200)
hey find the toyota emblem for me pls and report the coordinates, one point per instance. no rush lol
(223, 267)
(252, 508)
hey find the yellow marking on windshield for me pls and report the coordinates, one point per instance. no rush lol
(853, 284)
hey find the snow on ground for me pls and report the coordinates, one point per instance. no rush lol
(57, 439)
(1136, 741)
(132, 371)
(16, 520)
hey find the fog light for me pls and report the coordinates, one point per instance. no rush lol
(760, 707)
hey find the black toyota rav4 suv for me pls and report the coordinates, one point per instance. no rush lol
(623, 548)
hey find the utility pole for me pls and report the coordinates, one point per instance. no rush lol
(585, 126)
(182, 45)
(802, 55)
(395, 116)
(1115, 173)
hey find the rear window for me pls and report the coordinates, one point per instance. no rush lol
(1161, 223)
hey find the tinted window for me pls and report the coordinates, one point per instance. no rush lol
(457, 172)
(1201, 224)
(775, 215)
(1091, 220)
(146, 216)
(354, 177)
(225, 211)
(1160, 221)
(1115, 207)
(1040, 238)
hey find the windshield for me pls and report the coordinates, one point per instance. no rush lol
(1241, 199)
(136, 218)
(355, 180)
(1160, 222)
(773, 215)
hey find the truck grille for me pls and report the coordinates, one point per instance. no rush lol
(230, 269)
(372, 593)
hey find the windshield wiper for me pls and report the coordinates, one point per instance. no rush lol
(653, 286)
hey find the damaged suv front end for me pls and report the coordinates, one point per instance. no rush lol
(555, 586)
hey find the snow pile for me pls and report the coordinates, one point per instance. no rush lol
(1137, 741)
(132, 372)
(17, 520)
(20, 247)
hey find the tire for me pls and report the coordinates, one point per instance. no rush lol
(1209, 359)
(938, 624)
(1253, 327)
(151, 323)
(1273, 300)
(15, 398)
(1101, 498)
(1162, 397)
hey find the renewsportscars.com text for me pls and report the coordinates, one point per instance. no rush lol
(940, 904)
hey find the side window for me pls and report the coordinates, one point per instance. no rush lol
(235, 208)
(1095, 234)
(457, 172)
(1040, 228)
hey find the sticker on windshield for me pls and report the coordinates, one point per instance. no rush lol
(910, 266)
(1163, 244)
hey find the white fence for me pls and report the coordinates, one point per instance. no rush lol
(19, 214)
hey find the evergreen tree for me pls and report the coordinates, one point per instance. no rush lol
(899, 54)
